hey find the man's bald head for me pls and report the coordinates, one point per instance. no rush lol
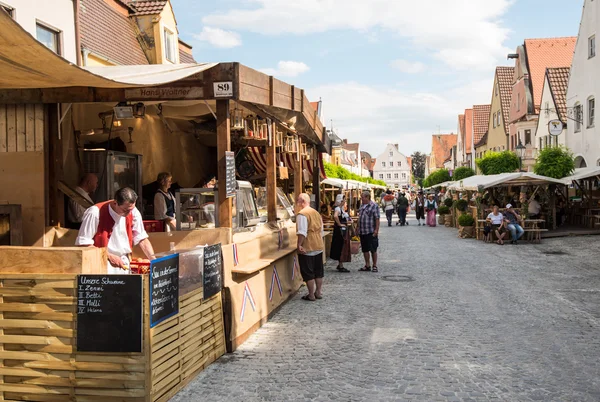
(303, 200)
(89, 182)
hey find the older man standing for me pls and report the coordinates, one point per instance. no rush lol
(309, 229)
(368, 230)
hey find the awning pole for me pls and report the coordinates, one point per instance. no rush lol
(209, 108)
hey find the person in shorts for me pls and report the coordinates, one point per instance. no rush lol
(310, 246)
(368, 230)
(496, 225)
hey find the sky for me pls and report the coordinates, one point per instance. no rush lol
(386, 71)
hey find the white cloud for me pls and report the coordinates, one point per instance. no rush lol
(219, 37)
(463, 34)
(287, 69)
(408, 67)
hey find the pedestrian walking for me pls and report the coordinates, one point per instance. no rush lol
(368, 230)
(431, 209)
(340, 242)
(402, 205)
(309, 230)
(388, 204)
(419, 206)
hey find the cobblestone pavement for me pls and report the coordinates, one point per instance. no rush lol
(478, 322)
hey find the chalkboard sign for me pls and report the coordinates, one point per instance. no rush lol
(164, 288)
(213, 268)
(109, 313)
(230, 181)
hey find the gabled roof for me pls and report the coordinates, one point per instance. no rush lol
(147, 7)
(558, 78)
(441, 146)
(468, 129)
(481, 121)
(109, 33)
(504, 76)
(482, 141)
(545, 53)
(461, 124)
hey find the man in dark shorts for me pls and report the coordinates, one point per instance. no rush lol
(368, 230)
(309, 229)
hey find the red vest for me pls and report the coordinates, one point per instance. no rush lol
(106, 224)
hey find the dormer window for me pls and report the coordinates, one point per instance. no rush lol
(170, 46)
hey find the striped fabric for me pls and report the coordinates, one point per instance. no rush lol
(260, 162)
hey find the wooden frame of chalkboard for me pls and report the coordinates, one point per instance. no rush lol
(109, 313)
(164, 288)
(212, 270)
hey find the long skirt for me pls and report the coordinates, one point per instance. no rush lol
(431, 218)
(338, 243)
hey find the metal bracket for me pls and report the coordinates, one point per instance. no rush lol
(571, 114)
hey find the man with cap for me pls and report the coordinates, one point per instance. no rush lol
(419, 206)
(513, 220)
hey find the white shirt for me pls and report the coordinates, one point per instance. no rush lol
(340, 213)
(302, 222)
(76, 211)
(496, 219)
(118, 244)
(534, 207)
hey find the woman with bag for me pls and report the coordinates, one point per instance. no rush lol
(340, 243)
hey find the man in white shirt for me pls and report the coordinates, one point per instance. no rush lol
(117, 225)
(87, 186)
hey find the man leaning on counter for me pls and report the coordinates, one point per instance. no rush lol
(117, 225)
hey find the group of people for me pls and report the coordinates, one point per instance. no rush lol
(425, 207)
(501, 224)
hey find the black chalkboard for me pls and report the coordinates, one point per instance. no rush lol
(230, 181)
(109, 313)
(213, 270)
(164, 288)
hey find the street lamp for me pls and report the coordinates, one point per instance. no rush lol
(520, 151)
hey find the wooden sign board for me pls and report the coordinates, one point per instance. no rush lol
(164, 288)
(164, 93)
(230, 180)
(213, 270)
(109, 313)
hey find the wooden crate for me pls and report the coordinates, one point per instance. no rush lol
(39, 361)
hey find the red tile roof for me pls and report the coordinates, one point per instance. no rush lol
(505, 77)
(468, 130)
(109, 33)
(558, 79)
(147, 7)
(481, 121)
(544, 53)
(441, 146)
(185, 53)
(461, 124)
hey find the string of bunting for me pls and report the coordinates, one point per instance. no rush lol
(236, 259)
(247, 297)
(274, 278)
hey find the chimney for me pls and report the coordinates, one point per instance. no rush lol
(398, 149)
(345, 141)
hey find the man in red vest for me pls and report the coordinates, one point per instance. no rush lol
(117, 225)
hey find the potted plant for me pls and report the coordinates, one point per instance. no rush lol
(462, 205)
(445, 217)
(448, 202)
(465, 226)
(355, 244)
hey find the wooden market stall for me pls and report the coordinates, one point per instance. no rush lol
(185, 125)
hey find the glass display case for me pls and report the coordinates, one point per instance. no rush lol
(285, 209)
(195, 208)
(245, 210)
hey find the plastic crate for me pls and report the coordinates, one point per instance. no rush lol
(154, 226)
(139, 267)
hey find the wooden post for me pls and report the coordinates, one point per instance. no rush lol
(317, 181)
(223, 146)
(552, 206)
(271, 180)
(298, 176)
(55, 171)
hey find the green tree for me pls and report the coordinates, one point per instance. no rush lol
(437, 177)
(338, 172)
(418, 165)
(462, 173)
(498, 162)
(556, 162)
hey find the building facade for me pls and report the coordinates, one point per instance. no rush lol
(392, 167)
(481, 119)
(582, 136)
(554, 107)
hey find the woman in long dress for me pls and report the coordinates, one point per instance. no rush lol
(340, 236)
(431, 208)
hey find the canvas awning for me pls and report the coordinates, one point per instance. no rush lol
(444, 184)
(582, 174)
(334, 183)
(474, 183)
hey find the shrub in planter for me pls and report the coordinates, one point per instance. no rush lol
(466, 220)
(465, 226)
(462, 205)
(448, 202)
(443, 210)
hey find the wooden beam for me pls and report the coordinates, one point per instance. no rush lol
(293, 99)
(316, 185)
(223, 146)
(298, 176)
(271, 90)
(272, 180)
(56, 206)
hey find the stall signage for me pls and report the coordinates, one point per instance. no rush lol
(223, 89)
(109, 313)
(213, 270)
(164, 93)
(555, 127)
(230, 180)
(164, 288)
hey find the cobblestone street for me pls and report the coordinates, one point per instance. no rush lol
(478, 322)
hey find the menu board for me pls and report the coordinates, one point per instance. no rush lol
(109, 313)
(230, 180)
(213, 270)
(164, 288)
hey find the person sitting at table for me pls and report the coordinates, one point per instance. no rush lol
(534, 208)
(164, 201)
(497, 225)
(512, 219)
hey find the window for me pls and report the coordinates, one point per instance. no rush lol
(494, 121)
(391, 164)
(170, 46)
(591, 111)
(404, 175)
(556, 140)
(498, 119)
(541, 146)
(48, 36)
(395, 175)
(399, 164)
(546, 141)
(578, 117)
(389, 175)
(496, 89)
(381, 175)
(598, 162)
(9, 10)
(527, 137)
(383, 164)
(391, 153)
(592, 46)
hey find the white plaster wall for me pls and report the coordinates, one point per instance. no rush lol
(545, 117)
(397, 158)
(57, 13)
(584, 83)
